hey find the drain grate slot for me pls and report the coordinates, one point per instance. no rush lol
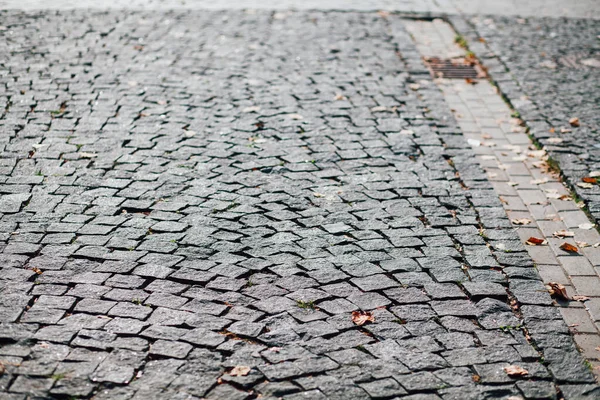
(456, 68)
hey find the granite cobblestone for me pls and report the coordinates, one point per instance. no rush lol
(232, 186)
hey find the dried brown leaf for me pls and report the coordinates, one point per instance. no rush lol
(558, 290)
(240, 370)
(578, 297)
(568, 247)
(533, 241)
(563, 234)
(362, 317)
(585, 185)
(574, 122)
(521, 221)
(539, 181)
(515, 370)
(589, 179)
(87, 155)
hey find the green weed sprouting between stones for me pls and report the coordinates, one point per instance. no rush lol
(306, 304)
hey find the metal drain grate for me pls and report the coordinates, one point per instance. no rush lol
(457, 68)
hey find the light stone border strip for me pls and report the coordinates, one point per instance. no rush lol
(534, 8)
(527, 189)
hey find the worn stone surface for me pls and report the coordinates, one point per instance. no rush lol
(194, 192)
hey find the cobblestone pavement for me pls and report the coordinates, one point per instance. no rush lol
(553, 74)
(536, 201)
(195, 203)
(537, 8)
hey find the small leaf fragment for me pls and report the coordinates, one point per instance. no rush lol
(521, 221)
(379, 109)
(515, 370)
(568, 247)
(574, 122)
(585, 185)
(539, 181)
(555, 140)
(563, 234)
(586, 226)
(578, 297)
(536, 153)
(533, 241)
(589, 179)
(362, 317)
(240, 370)
(251, 109)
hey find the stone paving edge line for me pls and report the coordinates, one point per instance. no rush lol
(564, 361)
(510, 89)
